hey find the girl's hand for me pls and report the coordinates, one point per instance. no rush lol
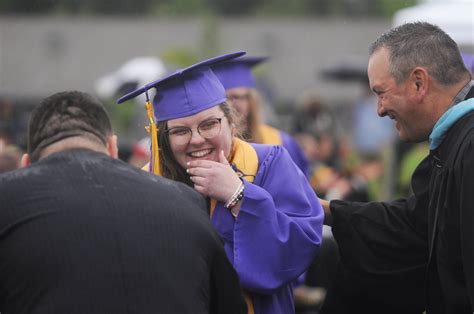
(214, 179)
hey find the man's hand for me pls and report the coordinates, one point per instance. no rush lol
(327, 212)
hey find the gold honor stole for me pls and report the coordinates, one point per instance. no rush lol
(244, 159)
(270, 135)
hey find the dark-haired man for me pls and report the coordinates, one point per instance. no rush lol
(82, 232)
(417, 252)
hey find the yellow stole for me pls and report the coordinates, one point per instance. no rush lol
(244, 158)
(270, 135)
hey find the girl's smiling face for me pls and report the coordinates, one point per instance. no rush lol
(188, 147)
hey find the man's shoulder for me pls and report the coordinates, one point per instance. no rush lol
(18, 177)
(462, 132)
(156, 180)
(458, 138)
(169, 190)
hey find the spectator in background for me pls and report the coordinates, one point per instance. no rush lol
(358, 184)
(83, 232)
(330, 179)
(10, 157)
(317, 132)
(4, 140)
(140, 153)
(468, 59)
(313, 116)
(237, 78)
(366, 144)
(336, 172)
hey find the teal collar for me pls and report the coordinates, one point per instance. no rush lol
(447, 120)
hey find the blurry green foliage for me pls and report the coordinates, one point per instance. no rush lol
(234, 7)
(196, 7)
(179, 7)
(179, 57)
(389, 7)
(121, 115)
(408, 164)
(277, 7)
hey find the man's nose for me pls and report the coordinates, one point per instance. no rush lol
(380, 110)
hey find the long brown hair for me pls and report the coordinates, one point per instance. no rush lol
(170, 168)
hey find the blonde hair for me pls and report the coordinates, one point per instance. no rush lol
(254, 119)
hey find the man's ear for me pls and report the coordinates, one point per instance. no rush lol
(25, 161)
(112, 147)
(420, 81)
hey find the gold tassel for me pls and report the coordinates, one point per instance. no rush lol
(153, 130)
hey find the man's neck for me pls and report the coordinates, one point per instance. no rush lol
(73, 143)
(445, 98)
(461, 95)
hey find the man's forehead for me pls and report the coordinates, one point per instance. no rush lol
(378, 58)
(378, 66)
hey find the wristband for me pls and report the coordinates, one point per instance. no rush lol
(236, 197)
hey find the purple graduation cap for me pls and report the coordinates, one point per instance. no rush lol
(238, 72)
(186, 91)
(468, 61)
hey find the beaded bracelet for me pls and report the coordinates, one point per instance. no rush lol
(240, 196)
(236, 197)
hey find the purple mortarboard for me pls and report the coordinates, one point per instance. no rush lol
(238, 72)
(186, 91)
(468, 61)
(181, 94)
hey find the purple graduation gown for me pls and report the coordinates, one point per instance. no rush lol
(277, 232)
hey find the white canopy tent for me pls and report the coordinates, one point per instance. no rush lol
(456, 17)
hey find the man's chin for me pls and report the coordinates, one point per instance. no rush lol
(410, 139)
(404, 137)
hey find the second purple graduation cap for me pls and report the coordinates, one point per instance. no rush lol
(237, 72)
(468, 61)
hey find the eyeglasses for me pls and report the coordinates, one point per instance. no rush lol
(182, 135)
